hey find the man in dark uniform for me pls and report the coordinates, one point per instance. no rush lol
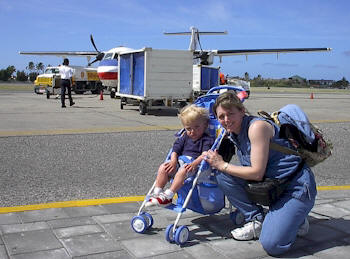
(66, 73)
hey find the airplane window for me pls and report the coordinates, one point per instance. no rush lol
(108, 56)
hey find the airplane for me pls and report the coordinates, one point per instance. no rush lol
(108, 67)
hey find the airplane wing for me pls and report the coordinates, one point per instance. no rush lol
(88, 54)
(61, 53)
(206, 56)
(260, 51)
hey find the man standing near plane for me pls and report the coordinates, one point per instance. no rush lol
(66, 73)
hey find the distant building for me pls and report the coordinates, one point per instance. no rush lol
(321, 82)
(297, 78)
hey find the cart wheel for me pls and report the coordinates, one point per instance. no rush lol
(139, 224)
(237, 217)
(149, 219)
(181, 235)
(183, 104)
(169, 234)
(142, 108)
(47, 94)
(122, 102)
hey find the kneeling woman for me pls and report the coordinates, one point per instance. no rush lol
(287, 216)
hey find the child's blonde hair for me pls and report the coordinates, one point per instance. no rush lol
(191, 113)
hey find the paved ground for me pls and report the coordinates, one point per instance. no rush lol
(104, 232)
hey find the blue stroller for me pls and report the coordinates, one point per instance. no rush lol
(199, 193)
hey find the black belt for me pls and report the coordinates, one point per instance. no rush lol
(65, 79)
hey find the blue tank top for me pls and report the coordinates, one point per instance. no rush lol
(279, 165)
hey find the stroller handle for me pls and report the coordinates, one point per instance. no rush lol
(204, 165)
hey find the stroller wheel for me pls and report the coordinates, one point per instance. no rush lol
(149, 219)
(139, 224)
(237, 217)
(181, 235)
(169, 234)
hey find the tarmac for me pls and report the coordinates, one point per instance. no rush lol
(104, 231)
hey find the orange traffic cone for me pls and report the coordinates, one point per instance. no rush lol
(101, 95)
(312, 96)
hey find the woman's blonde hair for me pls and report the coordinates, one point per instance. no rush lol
(228, 100)
(191, 113)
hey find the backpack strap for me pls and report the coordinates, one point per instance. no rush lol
(272, 117)
(285, 150)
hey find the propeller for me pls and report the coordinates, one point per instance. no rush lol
(100, 54)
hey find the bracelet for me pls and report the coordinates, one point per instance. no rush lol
(225, 167)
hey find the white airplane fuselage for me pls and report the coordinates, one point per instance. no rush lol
(108, 67)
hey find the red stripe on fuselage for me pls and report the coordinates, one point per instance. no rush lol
(108, 75)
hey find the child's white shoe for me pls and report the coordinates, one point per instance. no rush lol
(161, 200)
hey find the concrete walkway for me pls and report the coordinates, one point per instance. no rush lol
(104, 231)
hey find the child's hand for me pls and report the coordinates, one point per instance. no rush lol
(190, 167)
(169, 167)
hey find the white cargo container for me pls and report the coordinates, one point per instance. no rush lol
(155, 78)
(204, 78)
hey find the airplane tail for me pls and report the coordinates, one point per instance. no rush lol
(194, 32)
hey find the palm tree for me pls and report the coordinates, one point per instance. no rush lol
(40, 67)
(30, 66)
(246, 76)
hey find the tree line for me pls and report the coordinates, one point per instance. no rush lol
(294, 82)
(33, 70)
(29, 74)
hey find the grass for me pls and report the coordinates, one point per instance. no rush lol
(30, 87)
(297, 90)
(16, 86)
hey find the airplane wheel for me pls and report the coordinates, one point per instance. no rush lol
(237, 217)
(169, 234)
(139, 224)
(181, 235)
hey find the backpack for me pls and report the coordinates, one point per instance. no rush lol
(309, 141)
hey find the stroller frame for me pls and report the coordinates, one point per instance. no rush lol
(180, 235)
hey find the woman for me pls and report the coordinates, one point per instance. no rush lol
(287, 216)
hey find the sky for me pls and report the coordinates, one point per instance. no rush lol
(62, 25)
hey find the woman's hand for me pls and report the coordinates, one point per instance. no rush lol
(214, 159)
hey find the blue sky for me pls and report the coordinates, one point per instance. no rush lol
(66, 25)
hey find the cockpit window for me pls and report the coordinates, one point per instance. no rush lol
(51, 71)
(108, 56)
(116, 56)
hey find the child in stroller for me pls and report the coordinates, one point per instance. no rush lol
(186, 155)
(200, 192)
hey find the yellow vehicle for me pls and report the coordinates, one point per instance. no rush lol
(84, 79)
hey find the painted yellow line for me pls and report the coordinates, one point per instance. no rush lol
(81, 131)
(92, 202)
(329, 121)
(114, 129)
(77, 203)
(333, 188)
